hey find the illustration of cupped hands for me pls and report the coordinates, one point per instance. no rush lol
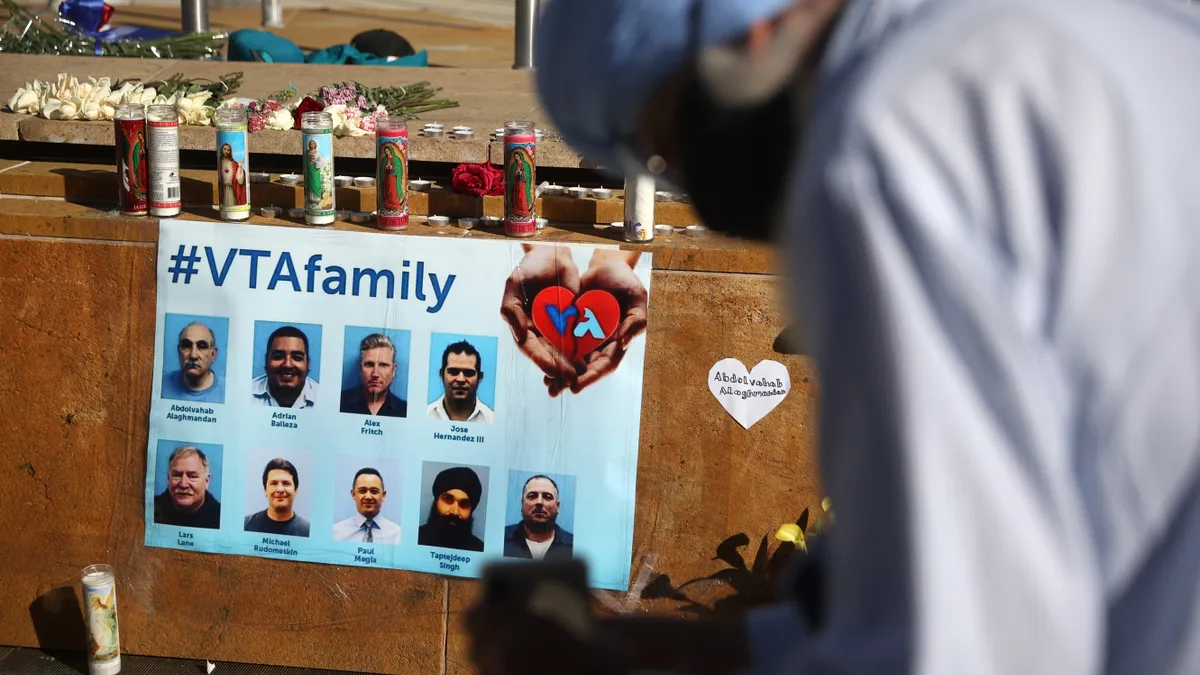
(575, 327)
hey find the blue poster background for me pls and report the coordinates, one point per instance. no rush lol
(424, 292)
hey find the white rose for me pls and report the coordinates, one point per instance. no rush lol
(101, 83)
(351, 126)
(338, 112)
(49, 106)
(66, 110)
(280, 120)
(107, 112)
(121, 95)
(91, 110)
(190, 105)
(25, 102)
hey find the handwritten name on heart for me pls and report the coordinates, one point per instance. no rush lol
(575, 326)
(749, 396)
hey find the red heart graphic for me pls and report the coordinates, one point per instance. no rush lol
(558, 315)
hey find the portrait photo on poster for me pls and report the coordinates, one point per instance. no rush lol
(187, 484)
(462, 378)
(539, 521)
(286, 364)
(194, 349)
(453, 506)
(368, 495)
(278, 492)
(375, 366)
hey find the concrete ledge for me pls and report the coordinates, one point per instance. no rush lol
(36, 129)
(487, 99)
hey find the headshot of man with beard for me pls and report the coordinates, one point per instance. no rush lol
(457, 492)
(538, 535)
(187, 501)
(377, 366)
(286, 383)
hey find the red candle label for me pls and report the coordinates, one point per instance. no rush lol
(391, 179)
(520, 206)
(132, 192)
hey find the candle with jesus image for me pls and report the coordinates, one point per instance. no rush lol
(233, 167)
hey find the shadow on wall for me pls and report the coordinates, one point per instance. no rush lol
(58, 622)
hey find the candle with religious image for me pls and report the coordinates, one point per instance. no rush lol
(520, 182)
(316, 146)
(133, 192)
(162, 153)
(233, 163)
(100, 609)
(391, 173)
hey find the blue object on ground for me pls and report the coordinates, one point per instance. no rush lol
(256, 45)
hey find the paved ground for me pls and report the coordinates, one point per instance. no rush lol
(494, 12)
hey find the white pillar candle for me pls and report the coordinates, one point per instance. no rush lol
(639, 208)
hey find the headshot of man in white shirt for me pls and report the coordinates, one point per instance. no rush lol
(368, 525)
(287, 382)
(462, 371)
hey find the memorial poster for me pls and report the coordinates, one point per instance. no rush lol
(417, 403)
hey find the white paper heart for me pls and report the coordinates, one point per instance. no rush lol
(749, 396)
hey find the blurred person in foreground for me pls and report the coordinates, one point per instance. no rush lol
(989, 217)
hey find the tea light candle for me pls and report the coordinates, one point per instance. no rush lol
(364, 182)
(685, 198)
(419, 185)
(468, 223)
(271, 211)
(342, 216)
(361, 217)
(695, 230)
(539, 134)
(437, 221)
(462, 128)
(434, 125)
(464, 134)
(553, 190)
(260, 177)
(295, 213)
(577, 192)
(602, 193)
(290, 179)
(491, 221)
(605, 226)
(664, 229)
(663, 196)
(342, 181)
(541, 223)
(432, 133)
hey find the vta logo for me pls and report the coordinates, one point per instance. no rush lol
(556, 315)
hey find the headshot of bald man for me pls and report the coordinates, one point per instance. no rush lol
(195, 380)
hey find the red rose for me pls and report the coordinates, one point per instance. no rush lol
(477, 179)
(309, 104)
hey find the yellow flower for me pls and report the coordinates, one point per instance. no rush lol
(791, 532)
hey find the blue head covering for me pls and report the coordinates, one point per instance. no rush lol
(598, 61)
